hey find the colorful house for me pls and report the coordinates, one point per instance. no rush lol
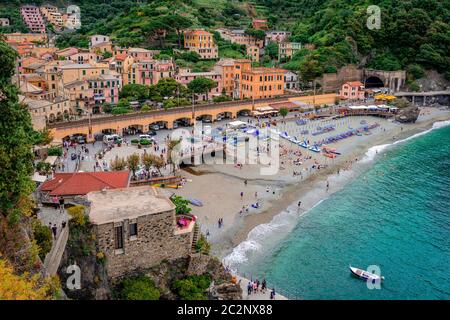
(353, 90)
(201, 42)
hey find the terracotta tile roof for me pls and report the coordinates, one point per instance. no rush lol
(121, 57)
(355, 83)
(81, 183)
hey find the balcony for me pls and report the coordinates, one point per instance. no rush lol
(99, 97)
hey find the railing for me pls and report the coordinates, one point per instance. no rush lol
(53, 258)
(270, 286)
(176, 110)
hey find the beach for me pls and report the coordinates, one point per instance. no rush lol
(219, 187)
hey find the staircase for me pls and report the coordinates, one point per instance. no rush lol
(195, 237)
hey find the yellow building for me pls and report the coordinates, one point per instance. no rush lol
(202, 42)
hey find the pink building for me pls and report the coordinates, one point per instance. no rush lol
(186, 75)
(140, 54)
(353, 90)
(105, 90)
(33, 19)
(163, 69)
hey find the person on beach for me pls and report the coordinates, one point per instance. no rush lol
(245, 182)
(328, 185)
(242, 195)
(256, 194)
(263, 286)
(61, 204)
(249, 288)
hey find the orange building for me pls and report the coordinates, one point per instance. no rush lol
(259, 83)
(226, 68)
(202, 42)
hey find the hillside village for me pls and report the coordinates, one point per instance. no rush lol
(104, 169)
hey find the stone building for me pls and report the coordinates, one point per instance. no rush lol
(136, 228)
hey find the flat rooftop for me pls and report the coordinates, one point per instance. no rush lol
(114, 205)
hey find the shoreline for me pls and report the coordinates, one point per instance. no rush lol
(224, 183)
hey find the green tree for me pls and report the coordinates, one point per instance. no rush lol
(134, 92)
(178, 23)
(133, 163)
(55, 151)
(139, 288)
(284, 112)
(192, 287)
(202, 85)
(16, 157)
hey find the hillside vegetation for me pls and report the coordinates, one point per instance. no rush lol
(414, 34)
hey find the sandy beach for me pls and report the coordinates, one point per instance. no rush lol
(219, 187)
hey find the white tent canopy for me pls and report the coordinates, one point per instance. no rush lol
(237, 124)
(39, 178)
(51, 160)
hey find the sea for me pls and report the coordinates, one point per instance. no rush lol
(392, 217)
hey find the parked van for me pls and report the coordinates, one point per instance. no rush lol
(112, 138)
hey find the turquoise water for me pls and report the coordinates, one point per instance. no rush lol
(396, 215)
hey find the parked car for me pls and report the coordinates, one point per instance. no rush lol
(146, 137)
(154, 127)
(151, 133)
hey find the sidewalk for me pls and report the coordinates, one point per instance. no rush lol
(257, 295)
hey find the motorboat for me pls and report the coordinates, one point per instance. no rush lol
(314, 148)
(363, 274)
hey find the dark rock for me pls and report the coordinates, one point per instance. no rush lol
(225, 291)
(408, 115)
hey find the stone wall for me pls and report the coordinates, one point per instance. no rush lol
(155, 241)
(334, 81)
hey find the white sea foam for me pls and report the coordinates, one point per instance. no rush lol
(264, 235)
(372, 152)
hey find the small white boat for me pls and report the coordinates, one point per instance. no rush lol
(314, 148)
(363, 274)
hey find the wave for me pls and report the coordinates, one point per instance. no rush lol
(264, 235)
(373, 151)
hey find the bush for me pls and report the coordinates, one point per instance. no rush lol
(120, 110)
(192, 287)
(77, 214)
(139, 288)
(43, 236)
(107, 108)
(145, 142)
(181, 205)
(55, 151)
(416, 71)
(134, 141)
(202, 245)
(221, 98)
(146, 108)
